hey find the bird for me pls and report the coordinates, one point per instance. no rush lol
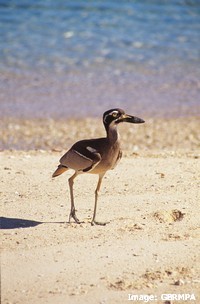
(95, 156)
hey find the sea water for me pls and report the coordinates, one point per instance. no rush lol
(78, 58)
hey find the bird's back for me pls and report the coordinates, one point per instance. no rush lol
(83, 153)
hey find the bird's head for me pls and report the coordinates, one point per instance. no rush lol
(116, 116)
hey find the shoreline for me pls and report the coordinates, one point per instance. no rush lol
(169, 93)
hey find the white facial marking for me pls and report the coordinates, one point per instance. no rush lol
(113, 113)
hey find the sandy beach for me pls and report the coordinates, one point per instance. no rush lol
(150, 245)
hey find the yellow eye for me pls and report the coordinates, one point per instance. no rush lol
(115, 114)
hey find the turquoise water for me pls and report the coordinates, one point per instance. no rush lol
(63, 58)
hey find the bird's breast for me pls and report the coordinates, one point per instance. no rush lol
(110, 157)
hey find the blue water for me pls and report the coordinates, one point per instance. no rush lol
(62, 58)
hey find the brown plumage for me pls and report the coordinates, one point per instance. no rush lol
(59, 171)
(95, 156)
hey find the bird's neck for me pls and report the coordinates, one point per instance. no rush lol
(112, 133)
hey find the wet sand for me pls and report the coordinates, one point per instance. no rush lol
(151, 201)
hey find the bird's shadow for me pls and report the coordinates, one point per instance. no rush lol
(14, 223)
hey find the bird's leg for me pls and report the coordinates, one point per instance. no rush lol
(73, 211)
(94, 222)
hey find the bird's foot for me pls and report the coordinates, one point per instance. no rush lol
(73, 215)
(93, 222)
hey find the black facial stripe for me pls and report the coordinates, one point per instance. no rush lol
(112, 116)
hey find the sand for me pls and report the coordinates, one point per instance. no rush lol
(150, 245)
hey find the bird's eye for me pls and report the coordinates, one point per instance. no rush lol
(115, 114)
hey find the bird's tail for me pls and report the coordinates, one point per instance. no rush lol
(60, 170)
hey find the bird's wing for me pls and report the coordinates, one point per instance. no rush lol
(81, 158)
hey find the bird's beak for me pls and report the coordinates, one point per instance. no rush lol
(130, 119)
